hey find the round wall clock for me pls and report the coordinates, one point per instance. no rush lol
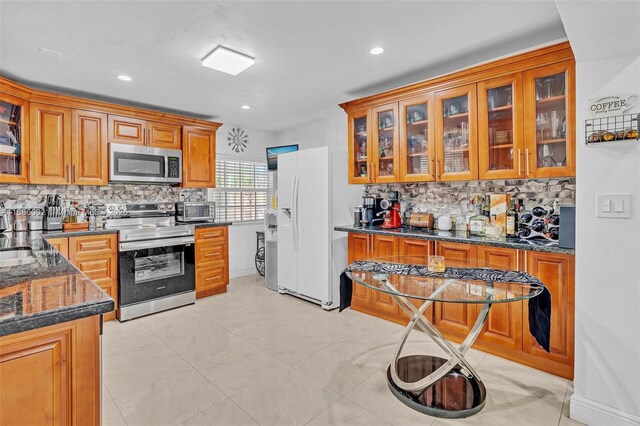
(237, 139)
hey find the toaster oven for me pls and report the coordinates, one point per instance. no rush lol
(195, 211)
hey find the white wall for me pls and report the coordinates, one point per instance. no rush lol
(242, 237)
(331, 132)
(607, 347)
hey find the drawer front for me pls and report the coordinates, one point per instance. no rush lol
(210, 251)
(219, 232)
(211, 279)
(92, 246)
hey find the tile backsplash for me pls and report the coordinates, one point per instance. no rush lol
(30, 195)
(436, 196)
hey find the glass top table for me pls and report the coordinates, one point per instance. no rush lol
(449, 388)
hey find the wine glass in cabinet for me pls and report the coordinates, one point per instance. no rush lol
(456, 139)
(549, 111)
(500, 143)
(360, 161)
(386, 167)
(417, 149)
(14, 139)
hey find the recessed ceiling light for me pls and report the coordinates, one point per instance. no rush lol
(246, 107)
(124, 77)
(227, 60)
(376, 50)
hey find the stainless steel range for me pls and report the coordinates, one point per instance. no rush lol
(156, 258)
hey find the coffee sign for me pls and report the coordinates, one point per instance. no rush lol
(609, 106)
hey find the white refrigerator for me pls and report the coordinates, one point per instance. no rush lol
(313, 197)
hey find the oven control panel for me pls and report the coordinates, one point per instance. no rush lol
(140, 209)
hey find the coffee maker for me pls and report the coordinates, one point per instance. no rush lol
(391, 211)
(371, 211)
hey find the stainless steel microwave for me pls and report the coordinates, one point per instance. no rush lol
(143, 164)
(195, 211)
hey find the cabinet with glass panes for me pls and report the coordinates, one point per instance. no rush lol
(385, 150)
(500, 142)
(456, 139)
(360, 161)
(549, 121)
(14, 139)
(417, 149)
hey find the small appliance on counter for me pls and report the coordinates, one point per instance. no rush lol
(201, 211)
(371, 211)
(391, 211)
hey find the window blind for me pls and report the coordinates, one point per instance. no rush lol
(241, 190)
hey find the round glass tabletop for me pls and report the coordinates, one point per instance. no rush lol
(462, 281)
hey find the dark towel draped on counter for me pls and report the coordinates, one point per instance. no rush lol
(539, 306)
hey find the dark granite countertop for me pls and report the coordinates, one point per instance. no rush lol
(461, 237)
(26, 303)
(211, 224)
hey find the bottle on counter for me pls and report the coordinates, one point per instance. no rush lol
(478, 223)
(470, 213)
(512, 220)
(486, 206)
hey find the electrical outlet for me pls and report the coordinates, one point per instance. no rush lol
(181, 196)
(616, 206)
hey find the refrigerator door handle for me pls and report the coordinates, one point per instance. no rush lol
(294, 212)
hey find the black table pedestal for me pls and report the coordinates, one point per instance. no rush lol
(454, 396)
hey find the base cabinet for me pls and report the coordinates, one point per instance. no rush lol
(51, 375)
(212, 261)
(96, 256)
(506, 332)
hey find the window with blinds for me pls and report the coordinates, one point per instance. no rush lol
(241, 190)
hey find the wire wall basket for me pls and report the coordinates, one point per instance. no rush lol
(616, 128)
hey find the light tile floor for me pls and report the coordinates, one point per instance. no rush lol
(252, 356)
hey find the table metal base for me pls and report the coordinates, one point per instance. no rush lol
(454, 396)
(449, 388)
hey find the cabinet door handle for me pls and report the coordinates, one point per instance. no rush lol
(373, 171)
(526, 162)
(438, 168)
(69, 172)
(434, 171)
(519, 162)
(74, 174)
(29, 171)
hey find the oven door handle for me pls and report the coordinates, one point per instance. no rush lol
(140, 245)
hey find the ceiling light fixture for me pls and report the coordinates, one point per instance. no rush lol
(227, 60)
(124, 77)
(246, 107)
(376, 50)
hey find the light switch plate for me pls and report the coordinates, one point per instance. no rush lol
(616, 206)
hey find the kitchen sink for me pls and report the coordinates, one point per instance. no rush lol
(16, 256)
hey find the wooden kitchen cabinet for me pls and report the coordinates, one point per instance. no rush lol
(455, 320)
(417, 139)
(198, 157)
(51, 375)
(360, 150)
(502, 333)
(500, 123)
(162, 135)
(385, 144)
(90, 157)
(50, 144)
(549, 120)
(14, 136)
(49, 293)
(97, 257)
(455, 137)
(557, 272)
(212, 260)
(420, 249)
(384, 246)
(127, 130)
(359, 247)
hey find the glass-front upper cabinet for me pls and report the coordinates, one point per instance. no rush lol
(417, 149)
(359, 148)
(549, 121)
(14, 139)
(500, 128)
(456, 139)
(386, 167)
